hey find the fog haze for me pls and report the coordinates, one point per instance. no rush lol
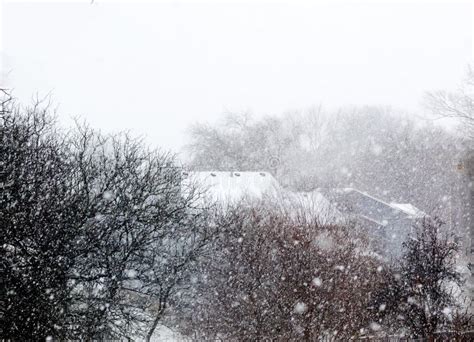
(154, 68)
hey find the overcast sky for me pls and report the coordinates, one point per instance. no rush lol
(156, 67)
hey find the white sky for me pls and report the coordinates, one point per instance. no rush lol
(156, 67)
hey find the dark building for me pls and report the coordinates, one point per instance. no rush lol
(388, 223)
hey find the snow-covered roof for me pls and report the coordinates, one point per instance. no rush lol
(227, 187)
(370, 207)
(234, 185)
(409, 209)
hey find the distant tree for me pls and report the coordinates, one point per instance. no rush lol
(424, 290)
(458, 105)
(239, 142)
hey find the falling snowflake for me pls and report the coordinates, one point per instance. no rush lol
(374, 326)
(300, 308)
(108, 195)
(446, 311)
(131, 274)
(317, 282)
(377, 149)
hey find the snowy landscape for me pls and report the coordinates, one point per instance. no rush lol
(126, 214)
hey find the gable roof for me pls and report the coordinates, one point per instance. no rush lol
(367, 206)
(409, 209)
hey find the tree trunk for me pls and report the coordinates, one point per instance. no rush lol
(154, 325)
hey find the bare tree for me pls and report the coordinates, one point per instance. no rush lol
(458, 105)
(424, 290)
(34, 239)
(96, 231)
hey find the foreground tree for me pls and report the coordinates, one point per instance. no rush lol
(96, 231)
(37, 226)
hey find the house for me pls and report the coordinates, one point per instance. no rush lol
(388, 223)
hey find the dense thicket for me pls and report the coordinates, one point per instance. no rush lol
(282, 276)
